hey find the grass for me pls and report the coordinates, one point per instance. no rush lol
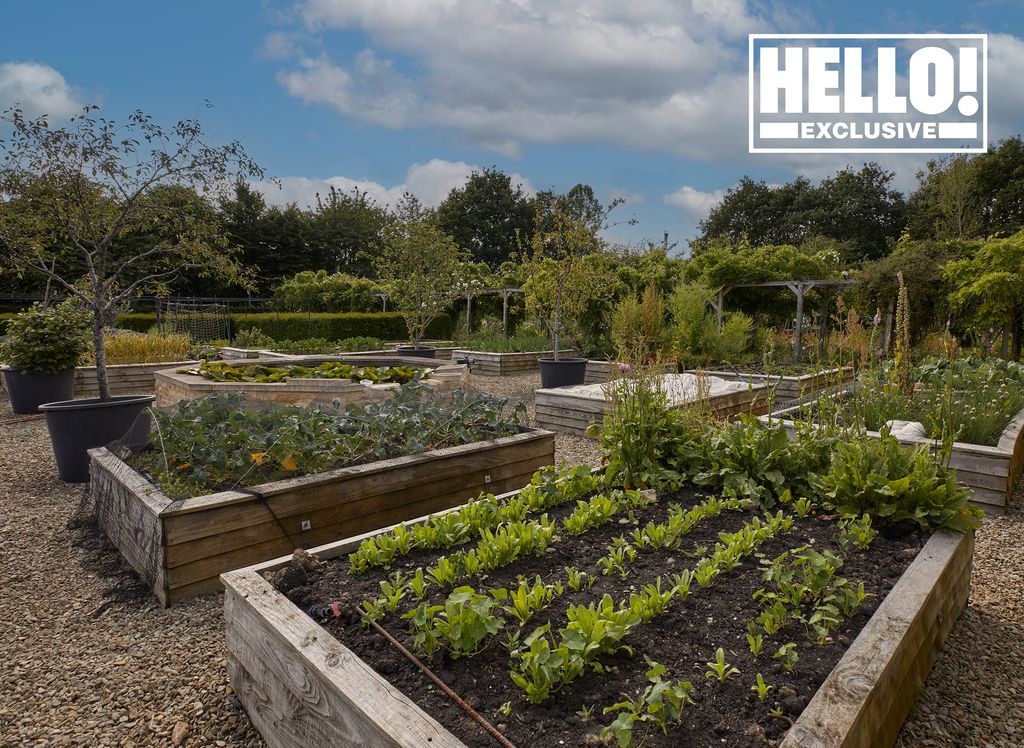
(126, 347)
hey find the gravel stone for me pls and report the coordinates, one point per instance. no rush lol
(91, 659)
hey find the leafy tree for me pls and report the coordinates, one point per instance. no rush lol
(760, 214)
(921, 264)
(862, 208)
(344, 228)
(989, 287)
(486, 215)
(89, 185)
(966, 197)
(579, 203)
(857, 208)
(559, 282)
(421, 267)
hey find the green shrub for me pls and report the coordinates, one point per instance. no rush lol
(300, 326)
(894, 484)
(317, 291)
(46, 340)
(734, 339)
(638, 327)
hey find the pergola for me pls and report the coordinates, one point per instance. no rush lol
(505, 294)
(798, 287)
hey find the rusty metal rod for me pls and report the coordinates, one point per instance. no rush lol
(491, 729)
(22, 419)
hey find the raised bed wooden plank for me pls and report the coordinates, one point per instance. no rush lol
(892, 654)
(182, 546)
(868, 694)
(338, 701)
(124, 379)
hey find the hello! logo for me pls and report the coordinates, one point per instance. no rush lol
(868, 93)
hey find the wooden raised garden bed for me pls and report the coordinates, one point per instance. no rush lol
(491, 364)
(173, 386)
(798, 388)
(124, 379)
(302, 687)
(572, 409)
(599, 372)
(990, 473)
(180, 547)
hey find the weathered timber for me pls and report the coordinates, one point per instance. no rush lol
(180, 547)
(124, 379)
(494, 364)
(868, 694)
(313, 691)
(569, 412)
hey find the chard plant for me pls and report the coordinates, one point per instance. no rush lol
(661, 703)
(720, 669)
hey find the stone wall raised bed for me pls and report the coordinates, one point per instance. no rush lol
(180, 547)
(991, 473)
(172, 386)
(571, 411)
(302, 687)
(491, 364)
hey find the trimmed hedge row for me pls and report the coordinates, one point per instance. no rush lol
(299, 326)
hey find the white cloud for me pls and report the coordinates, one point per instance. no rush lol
(430, 182)
(657, 74)
(695, 203)
(38, 89)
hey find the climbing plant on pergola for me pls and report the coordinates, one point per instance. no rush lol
(798, 287)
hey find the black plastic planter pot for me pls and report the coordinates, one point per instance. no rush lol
(28, 389)
(77, 426)
(564, 372)
(419, 351)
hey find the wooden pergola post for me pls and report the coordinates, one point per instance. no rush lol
(469, 311)
(504, 311)
(798, 289)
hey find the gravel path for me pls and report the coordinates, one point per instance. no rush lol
(90, 659)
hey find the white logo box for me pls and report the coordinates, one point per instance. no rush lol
(843, 93)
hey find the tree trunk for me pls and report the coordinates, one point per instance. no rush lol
(1016, 342)
(1004, 347)
(557, 320)
(100, 349)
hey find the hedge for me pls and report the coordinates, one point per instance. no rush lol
(299, 326)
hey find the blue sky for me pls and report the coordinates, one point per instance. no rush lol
(643, 100)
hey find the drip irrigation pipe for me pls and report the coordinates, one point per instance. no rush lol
(334, 610)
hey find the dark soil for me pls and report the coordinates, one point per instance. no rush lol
(684, 639)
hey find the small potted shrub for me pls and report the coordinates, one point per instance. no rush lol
(422, 268)
(42, 347)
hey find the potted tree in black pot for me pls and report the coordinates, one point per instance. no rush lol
(42, 348)
(423, 269)
(106, 212)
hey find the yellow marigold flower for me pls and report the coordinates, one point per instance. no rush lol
(258, 457)
(289, 464)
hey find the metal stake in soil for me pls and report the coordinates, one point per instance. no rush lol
(491, 729)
